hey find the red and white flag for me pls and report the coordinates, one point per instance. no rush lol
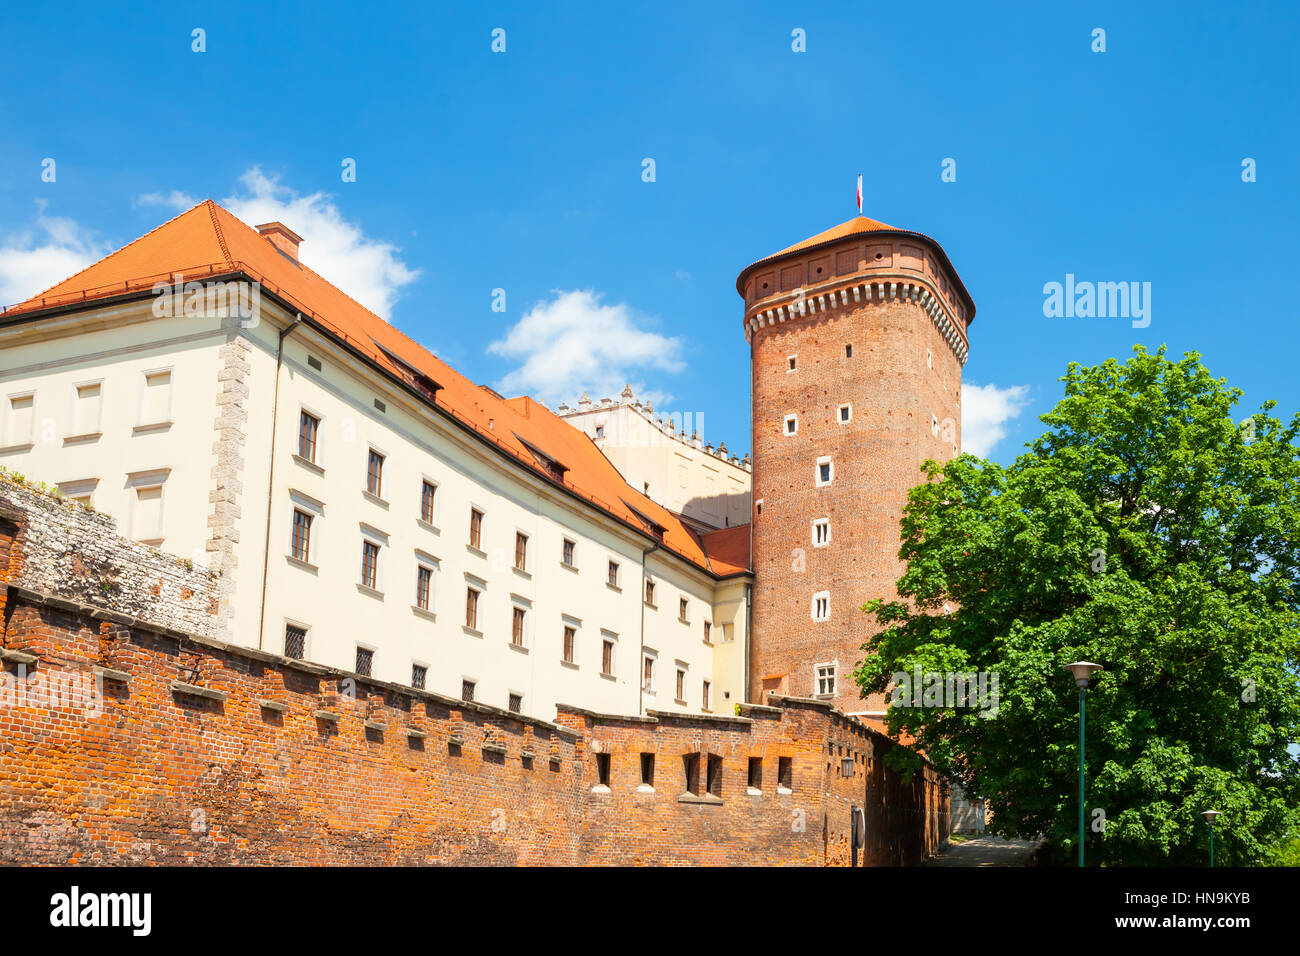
(859, 194)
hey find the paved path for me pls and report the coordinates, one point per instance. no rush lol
(986, 851)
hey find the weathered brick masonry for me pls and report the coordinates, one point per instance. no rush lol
(201, 752)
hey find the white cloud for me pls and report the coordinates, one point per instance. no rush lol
(985, 411)
(573, 343)
(368, 270)
(44, 254)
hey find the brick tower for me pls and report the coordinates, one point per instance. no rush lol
(857, 340)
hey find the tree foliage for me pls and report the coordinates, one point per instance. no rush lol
(1150, 532)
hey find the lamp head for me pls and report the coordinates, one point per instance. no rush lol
(1082, 671)
(1210, 816)
(846, 765)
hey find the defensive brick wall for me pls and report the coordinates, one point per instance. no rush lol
(124, 739)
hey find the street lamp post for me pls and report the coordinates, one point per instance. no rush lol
(1082, 671)
(1210, 816)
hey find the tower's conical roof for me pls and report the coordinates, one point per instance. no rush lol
(850, 229)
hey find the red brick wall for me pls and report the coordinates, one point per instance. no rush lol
(893, 392)
(146, 775)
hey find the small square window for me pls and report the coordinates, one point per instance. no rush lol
(295, 642)
(418, 674)
(791, 424)
(825, 472)
(365, 661)
(467, 690)
(845, 414)
(515, 703)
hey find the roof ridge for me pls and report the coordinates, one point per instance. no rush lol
(216, 227)
(118, 252)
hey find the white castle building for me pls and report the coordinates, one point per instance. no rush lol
(369, 507)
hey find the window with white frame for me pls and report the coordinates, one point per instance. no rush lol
(425, 572)
(81, 491)
(821, 532)
(821, 606)
(20, 419)
(147, 514)
(791, 425)
(608, 645)
(825, 472)
(791, 363)
(373, 545)
(845, 414)
(648, 671)
(156, 398)
(824, 680)
(87, 407)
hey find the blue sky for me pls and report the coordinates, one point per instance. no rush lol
(522, 171)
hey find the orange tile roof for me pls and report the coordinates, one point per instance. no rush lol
(856, 226)
(207, 240)
(728, 549)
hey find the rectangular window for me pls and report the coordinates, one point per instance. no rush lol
(681, 684)
(428, 495)
(683, 611)
(821, 606)
(471, 609)
(515, 703)
(846, 414)
(785, 773)
(517, 628)
(792, 362)
(521, 551)
(365, 660)
(821, 532)
(714, 780)
(18, 430)
(650, 593)
(825, 472)
(704, 697)
(156, 401)
(570, 639)
(370, 565)
(755, 781)
(375, 474)
(301, 543)
(467, 690)
(147, 519)
(475, 528)
(295, 642)
(418, 673)
(647, 770)
(691, 770)
(85, 414)
(602, 769)
(791, 424)
(613, 574)
(648, 673)
(825, 682)
(848, 351)
(308, 428)
(607, 657)
(567, 554)
(708, 631)
(423, 585)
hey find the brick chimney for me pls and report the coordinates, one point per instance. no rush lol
(282, 237)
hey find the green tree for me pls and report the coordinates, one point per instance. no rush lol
(1150, 532)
